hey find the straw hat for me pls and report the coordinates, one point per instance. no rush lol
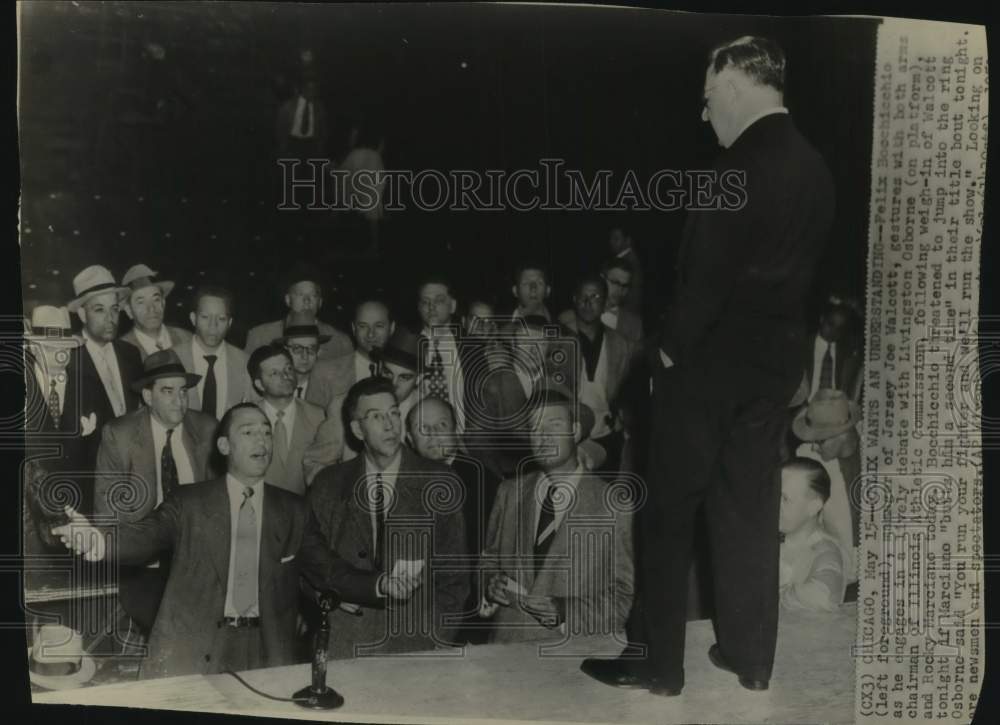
(56, 659)
(94, 280)
(828, 414)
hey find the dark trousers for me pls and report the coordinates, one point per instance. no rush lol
(238, 649)
(725, 453)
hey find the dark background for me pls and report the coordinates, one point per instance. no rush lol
(190, 189)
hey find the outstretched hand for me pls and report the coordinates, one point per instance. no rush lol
(81, 536)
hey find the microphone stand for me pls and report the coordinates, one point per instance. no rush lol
(318, 696)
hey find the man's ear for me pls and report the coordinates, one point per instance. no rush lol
(815, 505)
(354, 330)
(392, 328)
(82, 314)
(513, 290)
(128, 310)
(452, 306)
(193, 317)
(223, 445)
(288, 301)
(356, 430)
(577, 432)
(258, 386)
(147, 396)
(547, 291)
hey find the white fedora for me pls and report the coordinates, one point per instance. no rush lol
(94, 280)
(56, 660)
(140, 276)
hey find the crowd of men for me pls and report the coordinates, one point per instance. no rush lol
(476, 480)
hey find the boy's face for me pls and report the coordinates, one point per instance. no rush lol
(799, 503)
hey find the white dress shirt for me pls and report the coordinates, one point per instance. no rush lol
(235, 490)
(185, 472)
(362, 366)
(595, 392)
(104, 355)
(389, 475)
(151, 344)
(819, 352)
(301, 388)
(198, 354)
(288, 419)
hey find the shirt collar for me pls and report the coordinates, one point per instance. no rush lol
(757, 116)
(94, 346)
(159, 428)
(572, 478)
(200, 351)
(271, 412)
(149, 343)
(390, 472)
(236, 487)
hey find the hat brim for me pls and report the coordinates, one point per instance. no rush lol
(812, 433)
(396, 357)
(142, 382)
(65, 341)
(77, 302)
(88, 668)
(166, 287)
(321, 339)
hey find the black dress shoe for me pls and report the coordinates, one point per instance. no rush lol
(715, 654)
(616, 672)
(661, 688)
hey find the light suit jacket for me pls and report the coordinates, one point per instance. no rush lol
(290, 472)
(589, 563)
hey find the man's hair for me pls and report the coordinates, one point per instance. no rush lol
(816, 475)
(531, 264)
(412, 416)
(373, 301)
(761, 59)
(550, 396)
(436, 279)
(368, 386)
(211, 290)
(266, 352)
(588, 279)
(616, 263)
(302, 277)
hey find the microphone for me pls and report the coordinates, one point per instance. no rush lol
(317, 695)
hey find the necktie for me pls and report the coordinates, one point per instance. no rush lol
(54, 403)
(208, 393)
(280, 438)
(160, 346)
(545, 518)
(298, 392)
(108, 378)
(437, 385)
(372, 369)
(245, 559)
(168, 468)
(826, 371)
(378, 504)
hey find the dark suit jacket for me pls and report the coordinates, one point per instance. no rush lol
(736, 324)
(194, 524)
(427, 508)
(85, 389)
(177, 336)
(589, 563)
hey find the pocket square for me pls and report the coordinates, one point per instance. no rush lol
(286, 559)
(88, 424)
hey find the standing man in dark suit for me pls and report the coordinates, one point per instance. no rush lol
(100, 373)
(144, 305)
(623, 248)
(729, 369)
(832, 361)
(144, 455)
(381, 510)
(238, 546)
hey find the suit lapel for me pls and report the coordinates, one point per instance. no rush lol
(219, 529)
(526, 529)
(300, 432)
(190, 441)
(274, 528)
(362, 519)
(144, 454)
(88, 370)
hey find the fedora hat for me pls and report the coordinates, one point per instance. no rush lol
(139, 276)
(400, 349)
(828, 414)
(94, 280)
(50, 326)
(300, 324)
(163, 364)
(56, 660)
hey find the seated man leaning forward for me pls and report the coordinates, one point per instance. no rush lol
(550, 568)
(811, 572)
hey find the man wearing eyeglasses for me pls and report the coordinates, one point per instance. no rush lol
(295, 423)
(390, 510)
(317, 381)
